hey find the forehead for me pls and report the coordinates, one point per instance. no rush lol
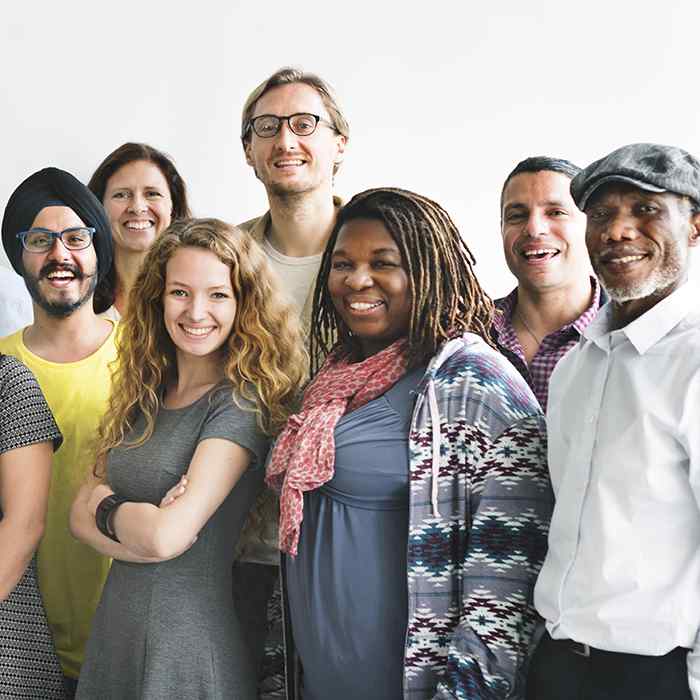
(197, 267)
(138, 173)
(290, 99)
(537, 188)
(365, 236)
(57, 218)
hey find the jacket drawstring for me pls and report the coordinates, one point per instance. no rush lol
(435, 423)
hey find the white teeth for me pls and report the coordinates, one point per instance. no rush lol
(540, 251)
(138, 225)
(197, 331)
(364, 306)
(284, 163)
(627, 258)
(60, 275)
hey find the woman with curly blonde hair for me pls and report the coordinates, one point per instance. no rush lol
(209, 365)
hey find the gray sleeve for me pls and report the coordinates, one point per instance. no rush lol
(226, 420)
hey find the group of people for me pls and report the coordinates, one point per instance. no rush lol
(307, 456)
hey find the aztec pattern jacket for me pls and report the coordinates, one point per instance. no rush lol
(480, 505)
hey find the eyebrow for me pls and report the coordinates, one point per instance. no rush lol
(377, 251)
(176, 283)
(547, 203)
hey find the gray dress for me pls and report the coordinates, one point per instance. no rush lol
(169, 630)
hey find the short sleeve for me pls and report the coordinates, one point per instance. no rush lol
(25, 418)
(227, 420)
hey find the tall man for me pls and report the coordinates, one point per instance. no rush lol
(543, 241)
(294, 136)
(58, 238)
(620, 587)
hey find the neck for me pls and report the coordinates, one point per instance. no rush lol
(546, 311)
(624, 312)
(301, 223)
(66, 339)
(126, 266)
(196, 374)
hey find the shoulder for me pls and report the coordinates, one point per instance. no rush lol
(256, 226)
(482, 381)
(10, 344)
(14, 373)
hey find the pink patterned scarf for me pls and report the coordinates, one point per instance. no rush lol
(304, 455)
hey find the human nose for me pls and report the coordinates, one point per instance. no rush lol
(58, 250)
(137, 203)
(536, 225)
(619, 227)
(197, 307)
(285, 138)
(359, 278)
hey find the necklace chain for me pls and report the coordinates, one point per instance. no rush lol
(527, 327)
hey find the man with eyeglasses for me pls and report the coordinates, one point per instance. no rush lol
(58, 238)
(294, 136)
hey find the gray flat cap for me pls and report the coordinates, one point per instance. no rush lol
(649, 166)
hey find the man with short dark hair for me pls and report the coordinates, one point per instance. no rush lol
(543, 241)
(620, 585)
(58, 238)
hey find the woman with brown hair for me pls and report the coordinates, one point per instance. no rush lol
(209, 365)
(142, 192)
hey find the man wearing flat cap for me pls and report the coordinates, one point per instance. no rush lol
(620, 586)
(57, 237)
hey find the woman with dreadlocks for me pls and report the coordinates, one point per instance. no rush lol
(415, 499)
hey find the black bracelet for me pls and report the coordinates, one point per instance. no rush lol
(105, 512)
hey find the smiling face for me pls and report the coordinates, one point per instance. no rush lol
(199, 305)
(289, 164)
(139, 206)
(543, 232)
(638, 242)
(60, 281)
(369, 285)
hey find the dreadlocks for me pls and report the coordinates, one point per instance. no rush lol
(447, 298)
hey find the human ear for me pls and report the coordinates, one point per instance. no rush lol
(694, 235)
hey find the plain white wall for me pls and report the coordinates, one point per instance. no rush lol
(442, 97)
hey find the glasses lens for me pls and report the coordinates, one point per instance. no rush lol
(76, 238)
(303, 124)
(37, 241)
(266, 125)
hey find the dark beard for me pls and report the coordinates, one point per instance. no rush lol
(61, 309)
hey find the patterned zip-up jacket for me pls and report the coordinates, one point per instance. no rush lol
(480, 505)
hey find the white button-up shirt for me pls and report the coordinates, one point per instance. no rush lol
(623, 568)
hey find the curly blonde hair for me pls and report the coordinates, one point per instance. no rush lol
(264, 357)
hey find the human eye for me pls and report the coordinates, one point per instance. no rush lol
(382, 264)
(597, 214)
(647, 208)
(153, 194)
(556, 213)
(76, 238)
(340, 265)
(120, 194)
(38, 239)
(177, 292)
(219, 295)
(266, 125)
(304, 123)
(515, 216)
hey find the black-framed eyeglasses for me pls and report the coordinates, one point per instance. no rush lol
(302, 124)
(39, 240)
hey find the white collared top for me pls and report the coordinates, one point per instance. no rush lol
(623, 568)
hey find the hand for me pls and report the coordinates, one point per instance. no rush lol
(100, 492)
(175, 492)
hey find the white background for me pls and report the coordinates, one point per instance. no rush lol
(442, 97)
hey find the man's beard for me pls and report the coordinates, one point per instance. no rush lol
(59, 309)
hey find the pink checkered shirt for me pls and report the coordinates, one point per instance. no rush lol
(553, 347)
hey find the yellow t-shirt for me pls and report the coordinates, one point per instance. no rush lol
(71, 574)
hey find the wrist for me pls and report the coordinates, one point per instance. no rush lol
(104, 515)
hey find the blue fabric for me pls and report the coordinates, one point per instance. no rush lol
(347, 586)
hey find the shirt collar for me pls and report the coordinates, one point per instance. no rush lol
(650, 327)
(506, 305)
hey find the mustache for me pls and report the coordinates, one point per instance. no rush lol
(56, 267)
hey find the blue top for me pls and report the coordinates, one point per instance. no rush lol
(347, 585)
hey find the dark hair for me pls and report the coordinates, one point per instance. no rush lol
(125, 154)
(447, 299)
(536, 164)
